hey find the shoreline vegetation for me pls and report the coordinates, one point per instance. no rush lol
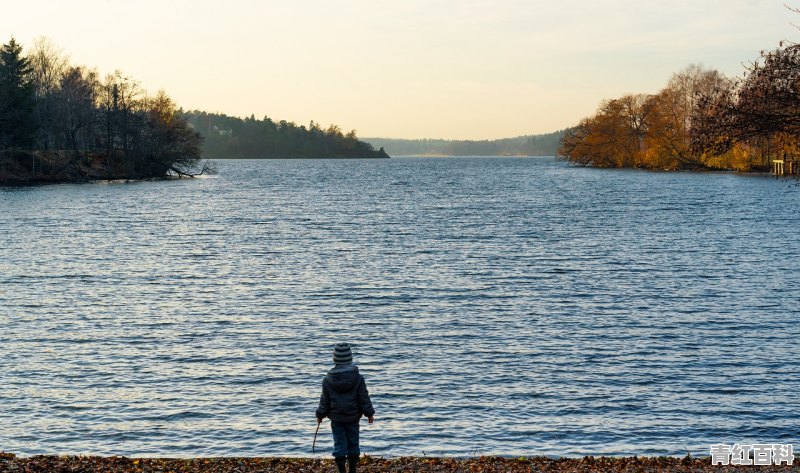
(700, 121)
(227, 137)
(64, 123)
(528, 145)
(489, 464)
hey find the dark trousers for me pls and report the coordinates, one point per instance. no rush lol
(345, 439)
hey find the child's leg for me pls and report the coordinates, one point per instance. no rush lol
(340, 438)
(352, 440)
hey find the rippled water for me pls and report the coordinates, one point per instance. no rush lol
(503, 306)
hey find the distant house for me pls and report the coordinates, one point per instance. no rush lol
(223, 131)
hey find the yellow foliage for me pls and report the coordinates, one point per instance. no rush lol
(741, 159)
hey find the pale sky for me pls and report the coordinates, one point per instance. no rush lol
(461, 69)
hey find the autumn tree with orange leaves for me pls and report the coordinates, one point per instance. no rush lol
(645, 131)
(700, 120)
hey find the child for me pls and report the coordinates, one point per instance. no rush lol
(344, 399)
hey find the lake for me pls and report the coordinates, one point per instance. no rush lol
(512, 306)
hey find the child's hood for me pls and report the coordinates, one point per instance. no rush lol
(343, 377)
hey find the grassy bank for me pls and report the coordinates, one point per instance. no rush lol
(52, 464)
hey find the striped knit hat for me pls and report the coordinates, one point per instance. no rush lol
(342, 354)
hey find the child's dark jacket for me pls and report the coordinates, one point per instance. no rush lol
(344, 395)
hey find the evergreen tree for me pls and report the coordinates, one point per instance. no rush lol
(17, 100)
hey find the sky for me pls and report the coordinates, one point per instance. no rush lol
(461, 69)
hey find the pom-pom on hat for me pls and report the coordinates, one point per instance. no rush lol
(342, 355)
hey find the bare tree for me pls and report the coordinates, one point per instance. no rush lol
(48, 64)
(764, 105)
(77, 97)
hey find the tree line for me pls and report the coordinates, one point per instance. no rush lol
(529, 145)
(233, 137)
(59, 121)
(62, 122)
(700, 120)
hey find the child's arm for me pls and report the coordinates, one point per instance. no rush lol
(324, 403)
(364, 401)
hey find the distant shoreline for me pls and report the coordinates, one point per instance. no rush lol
(528, 145)
(274, 158)
(471, 156)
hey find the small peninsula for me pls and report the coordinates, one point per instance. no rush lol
(228, 137)
(66, 123)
